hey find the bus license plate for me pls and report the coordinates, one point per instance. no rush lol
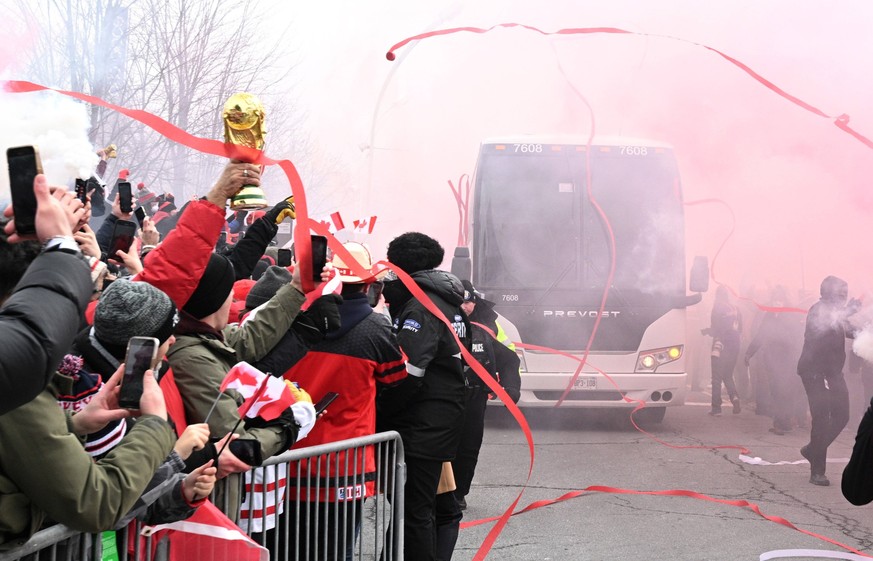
(585, 383)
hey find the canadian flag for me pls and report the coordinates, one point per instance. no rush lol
(207, 534)
(265, 396)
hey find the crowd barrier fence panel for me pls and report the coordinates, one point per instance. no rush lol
(329, 503)
(318, 488)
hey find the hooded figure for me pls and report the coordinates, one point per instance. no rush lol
(821, 369)
(430, 420)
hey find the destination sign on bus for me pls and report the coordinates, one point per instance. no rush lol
(522, 148)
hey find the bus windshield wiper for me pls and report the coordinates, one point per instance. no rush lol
(551, 287)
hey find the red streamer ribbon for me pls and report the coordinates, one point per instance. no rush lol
(304, 251)
(724, 242)
(841, 121)
(208, 146)
(462, 199)
(668, 492)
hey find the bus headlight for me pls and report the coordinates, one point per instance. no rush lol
(649, 361)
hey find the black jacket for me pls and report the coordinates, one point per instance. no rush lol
(38, 323)
(430, 423)
(497, 359)
(250, 248)
(824, 341)
(857, 483)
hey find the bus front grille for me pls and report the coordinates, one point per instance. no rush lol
(580, 395)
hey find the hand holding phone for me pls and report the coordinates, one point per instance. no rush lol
(125, 197)
(319, 256)
(24, 165)
(82, 190)
(122, 238)
(324, 402)
(141, 355)
(140, 214)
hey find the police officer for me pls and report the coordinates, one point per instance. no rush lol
(502, 364)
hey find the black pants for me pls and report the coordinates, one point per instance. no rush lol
(419, 501)
(829, 409)
(782, 399)
(723, 372)
(464, 464)
(448, 523)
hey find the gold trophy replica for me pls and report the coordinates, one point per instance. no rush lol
(243, 116)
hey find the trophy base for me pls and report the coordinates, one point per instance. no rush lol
(249, 198)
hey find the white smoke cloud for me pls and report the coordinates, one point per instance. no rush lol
(58, 126)
(863, 343)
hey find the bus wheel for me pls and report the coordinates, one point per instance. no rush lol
(650, 415)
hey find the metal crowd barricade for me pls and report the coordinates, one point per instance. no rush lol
(57, 543)
(306, 510)
(352, 525)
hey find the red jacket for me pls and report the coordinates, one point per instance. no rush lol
(178, 263)
(352, 363)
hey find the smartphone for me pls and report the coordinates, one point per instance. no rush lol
(141, 355)
(374, 292)
(247, 450)
(126, 196)
(319, 256)
(325, 401)
(24, 166)
(122, 238)
(284, 258)
(140, 215)
(82, 190)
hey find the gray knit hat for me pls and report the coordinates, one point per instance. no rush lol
(270, 282)
(134, 309)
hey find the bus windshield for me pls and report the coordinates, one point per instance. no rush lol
(541, 249)
(537, 228)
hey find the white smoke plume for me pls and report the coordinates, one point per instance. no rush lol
(58, 126)
(863, 343)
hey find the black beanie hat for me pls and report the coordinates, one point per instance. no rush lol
(267, 286)
(213, 289)
(414, 251)
(133, 309)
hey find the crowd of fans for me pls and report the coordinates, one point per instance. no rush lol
(210, 293)
(71, 303)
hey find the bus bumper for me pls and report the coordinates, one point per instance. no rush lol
(593, 390)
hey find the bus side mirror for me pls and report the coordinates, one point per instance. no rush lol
(699, 278)
(462, 266)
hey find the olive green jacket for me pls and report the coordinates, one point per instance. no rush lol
(46, 473)
(200, 363)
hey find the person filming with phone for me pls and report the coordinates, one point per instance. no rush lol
(200, 283)
(103, 412)
(365, 351)
(41, 305)
(43, 466)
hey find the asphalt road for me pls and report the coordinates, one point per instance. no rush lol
(576, 449)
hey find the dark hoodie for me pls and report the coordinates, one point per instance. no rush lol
(824, 339)
(430, 424)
